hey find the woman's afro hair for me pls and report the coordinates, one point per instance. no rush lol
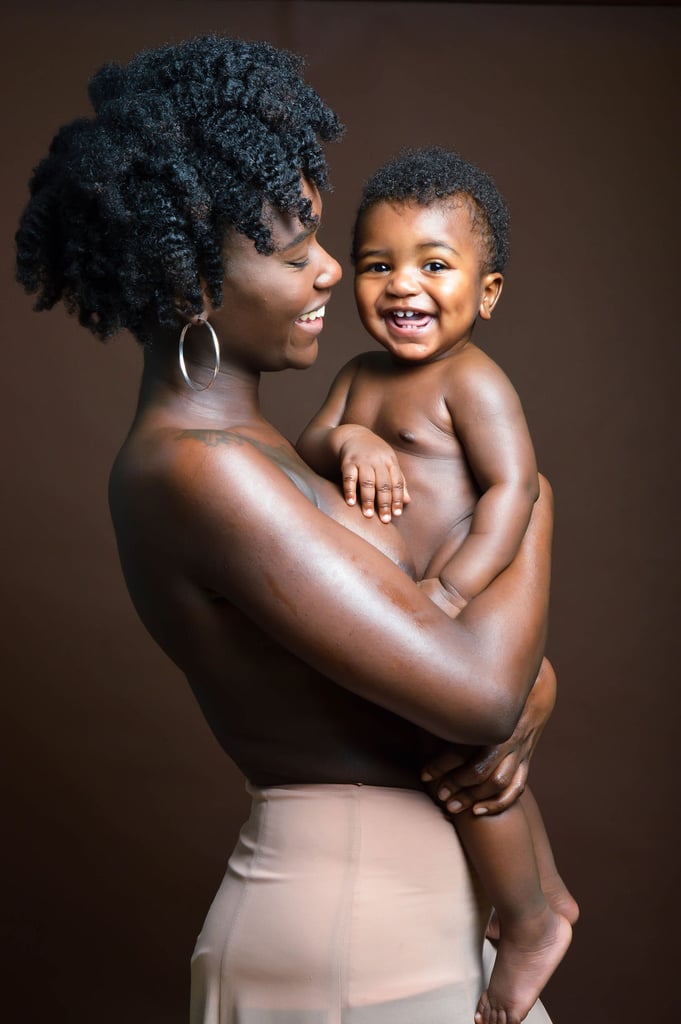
(128, 212)
(433, 175)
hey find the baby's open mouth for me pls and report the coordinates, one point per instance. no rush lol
(408, 319)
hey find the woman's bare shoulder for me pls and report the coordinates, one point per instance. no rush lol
(207, 477)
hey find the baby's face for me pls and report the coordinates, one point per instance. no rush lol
(419, 283)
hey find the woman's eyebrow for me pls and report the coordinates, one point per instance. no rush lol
(300, 237)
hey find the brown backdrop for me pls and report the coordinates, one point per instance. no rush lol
(119, 809)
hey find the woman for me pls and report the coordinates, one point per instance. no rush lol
(187, 211)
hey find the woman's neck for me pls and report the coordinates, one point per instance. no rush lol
(233, 397)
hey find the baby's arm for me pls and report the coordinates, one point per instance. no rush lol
(490, 424)
(365, 460)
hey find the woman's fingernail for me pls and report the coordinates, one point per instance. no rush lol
(426, 777)
(479, 811)
(444, 794)
(454, 805)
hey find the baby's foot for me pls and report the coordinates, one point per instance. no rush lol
(493, 931)
(559, 897)
(523, 966)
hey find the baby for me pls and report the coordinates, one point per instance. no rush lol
(433, 423)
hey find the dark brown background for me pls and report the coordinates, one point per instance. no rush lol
(119, 809)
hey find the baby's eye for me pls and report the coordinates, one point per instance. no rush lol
(376, 268)
(434, 265)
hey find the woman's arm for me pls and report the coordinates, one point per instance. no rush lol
(342, 607)
(490, 779)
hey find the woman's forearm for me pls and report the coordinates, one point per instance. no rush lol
(351, 614)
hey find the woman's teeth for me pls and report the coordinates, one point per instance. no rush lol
(306, 317)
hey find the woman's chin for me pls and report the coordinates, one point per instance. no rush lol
(302, 357)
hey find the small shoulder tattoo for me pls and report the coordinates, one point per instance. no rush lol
(211, 438)
(220, 438)
(281, 455)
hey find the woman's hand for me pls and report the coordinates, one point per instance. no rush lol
(490, 779)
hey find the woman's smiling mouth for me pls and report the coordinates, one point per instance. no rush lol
(313, 321)
(313, 315)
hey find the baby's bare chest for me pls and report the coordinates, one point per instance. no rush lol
(411, 413)
(406, 413)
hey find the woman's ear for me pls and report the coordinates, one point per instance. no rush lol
(491, 290)
(190, 317)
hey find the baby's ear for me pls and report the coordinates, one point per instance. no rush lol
(491, 286)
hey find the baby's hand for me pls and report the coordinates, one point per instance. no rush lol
(451, 604)
(369, 463)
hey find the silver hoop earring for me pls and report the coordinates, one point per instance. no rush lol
(183, 366)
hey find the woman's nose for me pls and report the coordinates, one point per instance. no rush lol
(330, 271)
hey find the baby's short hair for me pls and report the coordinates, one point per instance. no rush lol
(433, 174)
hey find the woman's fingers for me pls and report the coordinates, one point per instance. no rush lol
(487, 781)
(507, 796)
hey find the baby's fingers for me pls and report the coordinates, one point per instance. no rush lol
(369, 488)
(350, 477)
(399, 493)
(391, 491)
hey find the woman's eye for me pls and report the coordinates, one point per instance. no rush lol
(299, 263)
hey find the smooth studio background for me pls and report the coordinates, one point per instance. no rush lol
(118, 808)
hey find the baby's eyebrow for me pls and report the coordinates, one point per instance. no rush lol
(434, 244)
(437, 244)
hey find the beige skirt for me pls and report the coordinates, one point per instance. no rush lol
(343, 904)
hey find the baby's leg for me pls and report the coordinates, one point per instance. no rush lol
(533, 936)
(555, 890)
